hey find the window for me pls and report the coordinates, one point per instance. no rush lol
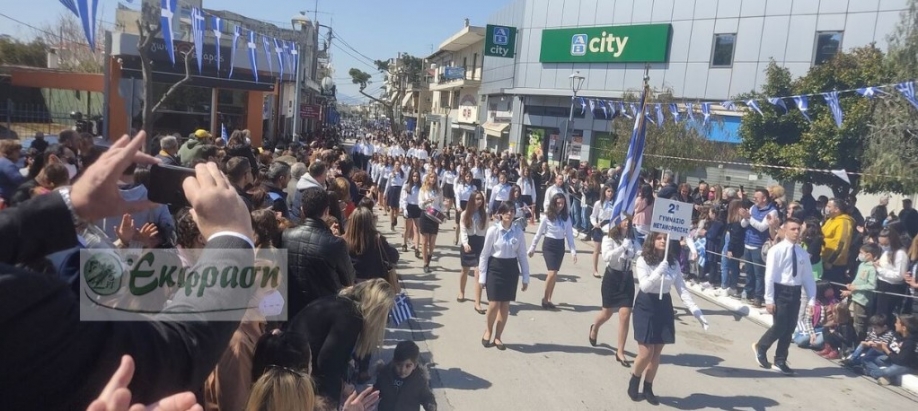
(724, 44)
(828, 43)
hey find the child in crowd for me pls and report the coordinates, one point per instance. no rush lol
(860, 291)
(901, 356)
(868, 349)
(839, 334)
(404, 384)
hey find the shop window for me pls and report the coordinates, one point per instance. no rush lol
(828, 44)
(724, 45)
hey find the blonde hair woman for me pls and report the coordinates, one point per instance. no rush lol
(352, 322)
(286, 389)
(429, 198)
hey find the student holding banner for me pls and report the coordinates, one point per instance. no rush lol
(599, 219)
(654, 322)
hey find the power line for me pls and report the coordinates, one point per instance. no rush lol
(357, 58)
(338, 36)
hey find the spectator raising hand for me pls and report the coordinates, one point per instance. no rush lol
(117, 397)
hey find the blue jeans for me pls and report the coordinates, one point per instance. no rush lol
(803, 340)
(755, 273)
(729, 273)
(863, 354)
(585, 224)
(575, 214)
(880, 367)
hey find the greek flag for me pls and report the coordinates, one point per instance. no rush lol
(253, 56)
(835, 106)
(166, 11)
(755, 106)
(689, 112)
(583, 105)
(288, 61)
(674, 109)
(280, 58)
(605, 109)
(803, 106)
(197, 32)
(908, 91)
(706, 110)
(218, 34)
(402, 310)
(628, 184)
(295, 54)
(700, 247)
(264, 42)
(70, 5)
(236, 34)
(593, 106)
(660, 117)
(729, 105)
(870, 92)
(86, 11)
(778, 101)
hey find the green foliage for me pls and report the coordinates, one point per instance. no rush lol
(788, 139)
(15, 52)
(359, 77)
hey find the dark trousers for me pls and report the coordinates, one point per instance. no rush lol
(787, 307)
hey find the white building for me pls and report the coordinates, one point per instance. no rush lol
(455, 71)
(705, 50)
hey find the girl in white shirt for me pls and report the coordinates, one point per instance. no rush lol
(477, 174)
(654, 321)
(472, 226)
(617, 285)
(395, 179)
(891, 270)
(492, 179)
(555, 227)
(503, 261)
(599, 220)
(430, 200)
(412, 211)
(464, 188)
(382, 181)
(499, 192)
(527, 189)
(447, 184)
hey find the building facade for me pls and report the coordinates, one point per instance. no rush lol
(455, 73)
(698, 49)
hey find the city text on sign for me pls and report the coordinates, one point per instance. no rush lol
(500, 41)
(616, 44)
(671, 217)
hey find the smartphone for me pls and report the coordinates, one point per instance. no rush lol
(165, 185)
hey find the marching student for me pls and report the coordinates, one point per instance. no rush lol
(787, 271)
(555, 227)
(527, 189)
(492, 179)
(499, 192)
(464, 188)
(599, 218)
(557, 188)
(523, 212)
(503, 260)
(412, 211)
(477, 174)
(431, 202)
(448, 178)
(472, 227)
(383, 174)
(393, 189)
(654, 321)
(617, 285)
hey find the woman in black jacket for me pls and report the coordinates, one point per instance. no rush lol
(735, 247)
(370, 252)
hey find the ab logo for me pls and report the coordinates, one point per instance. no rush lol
(501, 36)
(578, 44)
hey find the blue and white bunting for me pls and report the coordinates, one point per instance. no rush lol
(237, 32)
(253, 54)
(674, 110)
(870, 92)
(280, 59)
(729, 105)
(755, 106)
(778, 101)
(907, 89)
(592, 106)
(288, 58)
(295, 54)
(605, 110)
(583, 105)
(634, 110)
(689, 112)
(803, 106)
(706, 110)
(660, 118)
(218, 34)
(71, 5)
(197, 32)
(166, 12)
(834, 106)
(264, 42)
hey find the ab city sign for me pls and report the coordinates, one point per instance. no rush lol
(646, 43)
(500, 41)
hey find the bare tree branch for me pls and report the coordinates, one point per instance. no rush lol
(178, 84)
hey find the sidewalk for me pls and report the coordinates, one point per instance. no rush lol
(760, 316)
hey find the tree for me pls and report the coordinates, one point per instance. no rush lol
(17, 53)
(74, 54)
(892, 142)
(408, 70)
(149, 27)
(787, 139)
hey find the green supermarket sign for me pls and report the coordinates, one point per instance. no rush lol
(646, 43)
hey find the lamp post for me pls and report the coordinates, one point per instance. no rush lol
(576, 85)
(300, 22)
(328, 86)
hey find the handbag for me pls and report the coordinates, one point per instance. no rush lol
(435, 215)
(391, 273)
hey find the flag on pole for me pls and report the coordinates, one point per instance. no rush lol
(628, 184)
(166, 11)
(218, 33)
(236, 33)
(197, 33)
(253, 57)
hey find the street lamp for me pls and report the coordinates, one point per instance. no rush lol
(576, 85)
(300, 23)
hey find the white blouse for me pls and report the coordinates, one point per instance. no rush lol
(395, 180)
(430, 198)
(558, 229)
(500, 192)
(892, 273)
(476, 173)
(504, 243)
(550, 192)
(409, 196)
(651, 279)
(474, 231)
(448, 177)
(602, 213)
(618, 255)
(464, 192)
(526, 187)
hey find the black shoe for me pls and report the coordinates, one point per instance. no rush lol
(760, 357)
(649, 395)
(782, 366)
(590, 336)
(633, 388)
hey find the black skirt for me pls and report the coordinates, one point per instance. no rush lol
(392, 196)
(470, 259)
(526, 199)
(503, 277)
(383, 182)
(553, 252)
(617, 289)
(413, 210)
(654, 321)
(597, 234)
(448, 191)
(462, 204)
(428, 226)
(477, 183)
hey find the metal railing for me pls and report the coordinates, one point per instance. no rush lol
(24, 120)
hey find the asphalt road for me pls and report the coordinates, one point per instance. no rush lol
(549, 364)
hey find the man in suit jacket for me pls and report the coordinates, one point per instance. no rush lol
(50, 359)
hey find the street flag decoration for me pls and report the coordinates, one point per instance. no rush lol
(295, 53)
(689, 112)
(280, 58)
(253, 57)
(628, 184)
(674, 110)
(908, 90)
(835, 106)
(402, 311)
(660, 118)
(755, 106)
(264, 42)
(706, 110)
(778, 101)
(86, 11)
(166, 11)
(197, 33)
(803, 106)
(870, 92)
(729, 105)
(288, 59)
(218, 34)
(237, 32)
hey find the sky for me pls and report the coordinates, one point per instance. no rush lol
(375, 29)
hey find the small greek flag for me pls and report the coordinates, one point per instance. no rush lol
(674, 109)
(583, 105)
(402, 310)
(803, 106)
(701, 249)
(835, 106)
(778, 101)
(908, 91)
(729, 105)
(236, 33)
(870, 92)
(706, 110)
(689, 112)
(755, 106)
(660, 117)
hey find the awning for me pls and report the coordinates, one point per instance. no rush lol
(495, 129)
